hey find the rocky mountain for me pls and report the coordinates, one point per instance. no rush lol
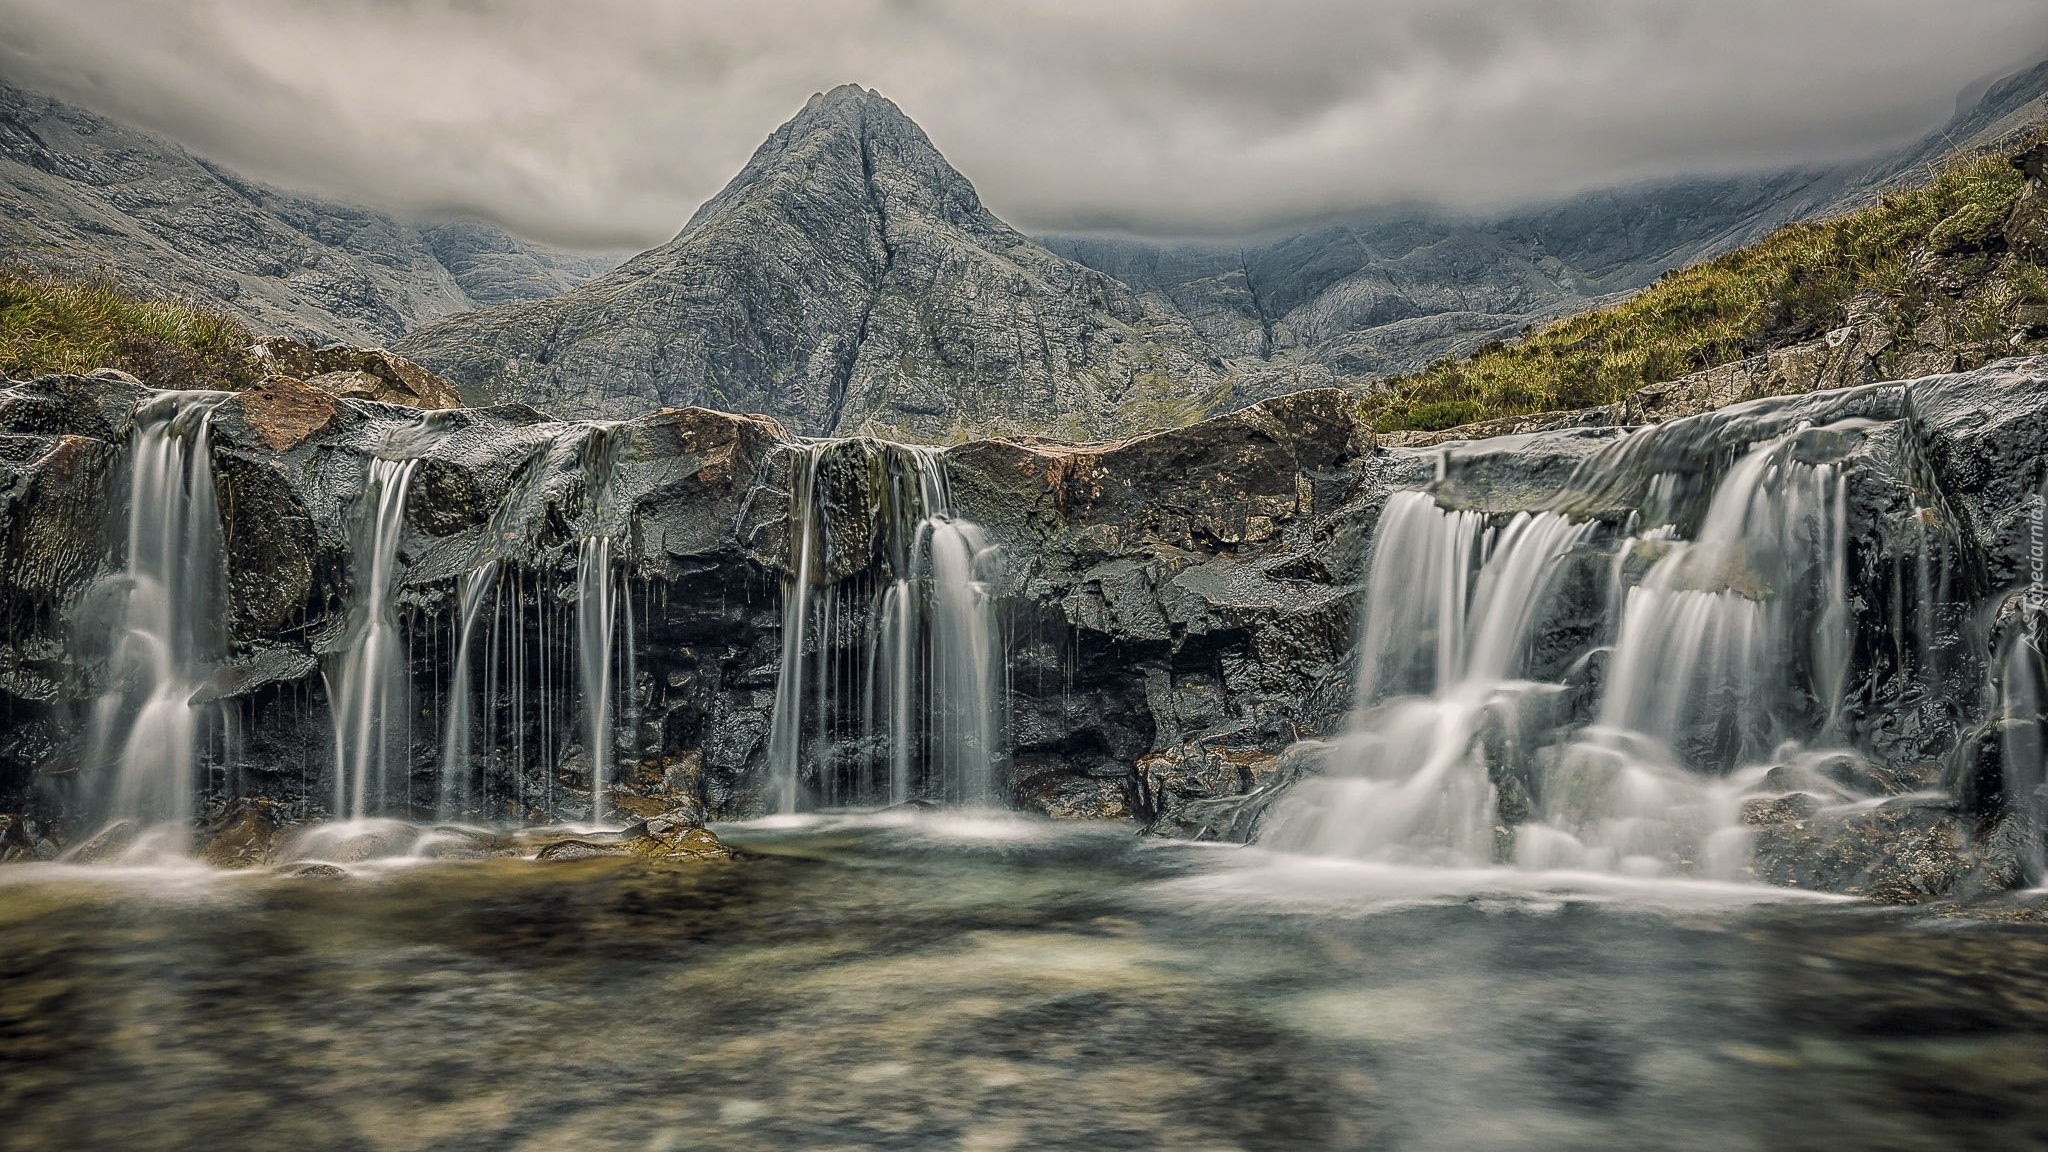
(82, 194)
(1388, 292)
(848, 279)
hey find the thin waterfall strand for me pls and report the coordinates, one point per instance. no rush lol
(166, 628)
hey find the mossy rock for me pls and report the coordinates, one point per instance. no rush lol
(1972, 228)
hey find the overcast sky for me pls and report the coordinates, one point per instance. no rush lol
(605, 122)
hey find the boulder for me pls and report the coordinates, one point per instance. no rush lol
(565, 850)
(244, 839)
(352, 373)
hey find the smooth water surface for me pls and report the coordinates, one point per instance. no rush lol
(986, 983)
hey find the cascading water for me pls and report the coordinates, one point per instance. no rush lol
(166, 629)
(596, 624)
(371, 722)
(806, 528)
(1451, 603)
(2023, 754)
(1729, 651)
(928, 691)
(456, 730)
(1703, 676)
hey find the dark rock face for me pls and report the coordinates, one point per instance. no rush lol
(83, 194)
(1179, 610)
(847, 281)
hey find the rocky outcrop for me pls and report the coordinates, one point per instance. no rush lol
(355, 373)
(847, 281)
(84, 195)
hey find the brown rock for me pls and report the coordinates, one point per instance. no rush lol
(358, 373)
(581, 850)
(284, 411)
(245, 841)
(681, 845)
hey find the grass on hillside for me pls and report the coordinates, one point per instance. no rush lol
(1789, 287)
(54, 323)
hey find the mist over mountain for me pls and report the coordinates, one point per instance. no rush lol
(1389, 292)
(83, 194)
(849, 279)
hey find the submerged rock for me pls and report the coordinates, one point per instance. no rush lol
(1902, 852)
(562, 850)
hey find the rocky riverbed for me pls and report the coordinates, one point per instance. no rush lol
(984, 981)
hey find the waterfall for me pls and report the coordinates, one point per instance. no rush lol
(596, 623)
(456, 731)
(167, 620)
(1451, 604)
(372, 726)
(1733, 644)
(806, 527)
(1725, 652)
(2023, 753)
(927, 686)
(939, 609)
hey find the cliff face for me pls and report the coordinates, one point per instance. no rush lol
(847, 280)
(1177, 610)
(82, 194)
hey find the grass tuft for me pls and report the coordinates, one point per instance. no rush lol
(1789, 287)
(51, 323)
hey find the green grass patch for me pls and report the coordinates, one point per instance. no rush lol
(51, 323)
(1789, 287)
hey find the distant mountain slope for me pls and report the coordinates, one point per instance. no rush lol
(848, 279)
(1389, 292)
(80, 193)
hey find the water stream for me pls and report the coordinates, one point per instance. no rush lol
(1724, 653)
(369, 685)
(918, 714)
(165, 618)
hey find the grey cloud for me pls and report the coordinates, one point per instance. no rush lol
(604, 122)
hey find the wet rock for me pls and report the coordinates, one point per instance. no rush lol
(1170, 780)
(109, 843)
(310, 870)
(244, 840)
(17, 839)
(562, 850)
(1052, 788)
(670, 840)
(1903, 852)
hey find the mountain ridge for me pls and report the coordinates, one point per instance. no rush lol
(82, 194)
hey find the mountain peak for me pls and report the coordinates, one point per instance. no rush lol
(850, 95)
(847, 280)
(853, 147)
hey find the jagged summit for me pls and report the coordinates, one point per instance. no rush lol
(891, 158)
(847, 279)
